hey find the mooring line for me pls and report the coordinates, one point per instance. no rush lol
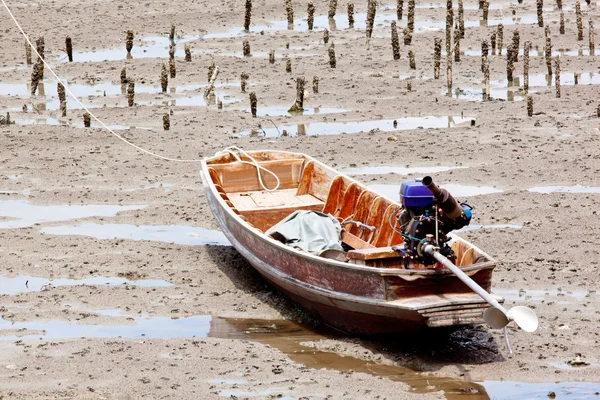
(82, 105)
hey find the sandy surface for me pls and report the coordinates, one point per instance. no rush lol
(549, 263)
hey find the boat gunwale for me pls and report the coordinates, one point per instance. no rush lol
(425, 273)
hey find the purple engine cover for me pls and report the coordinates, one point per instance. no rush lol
(414, 194)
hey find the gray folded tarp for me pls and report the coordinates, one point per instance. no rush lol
(311, 231)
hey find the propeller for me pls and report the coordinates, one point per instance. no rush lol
(496, 316)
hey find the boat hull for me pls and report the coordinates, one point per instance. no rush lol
(353, 299)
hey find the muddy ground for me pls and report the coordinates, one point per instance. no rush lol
(147, 301)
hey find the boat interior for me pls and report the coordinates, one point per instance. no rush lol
(307, 184)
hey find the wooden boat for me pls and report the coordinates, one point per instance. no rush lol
(370, 291)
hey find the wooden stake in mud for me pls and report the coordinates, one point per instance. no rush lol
(27, 53)
(123, 76)
(311, 15)
(289, 9)
(172, 50)
(188, 53)
(211, 69)
(562, 23)
(164, 79)
(172, 70)
(486, 80)
(456, 43)
(299, 103)
(351, 14)
(499, 38)
(331, 51)
(315, 84)
(540, 10)
(516, 39)
(248, 15)
(395, 42)
(409, 84)
(548, 51)
(461, 18)
(598, 111)
(510, 66)
(36, 76)
(399, 9)
(244, 81)
(40, 47)
(559, 4)
(166, 122)
(63, 109)
(253, 104)
(449, 23)
(272, 56)
(172, 33)
(130, 92)
(529, 106)
(325, 36)
(485, 11)
(449, 73)
(211, 84)
(332, 8)
(411, 60)
(371, 10)
(246, 47)
(579, 20)
(493, 43)
(484, 52)
(407, 36)
(69, 47)
(288, 65)
(129, 41)
(410, 24)
(557, 76)
(526, 49)
(220, 104)
(437, 56)
(592, 44)
(60, 89)
(87, 121)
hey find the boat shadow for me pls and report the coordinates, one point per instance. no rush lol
(428, 350)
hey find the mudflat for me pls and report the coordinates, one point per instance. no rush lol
(116, 283)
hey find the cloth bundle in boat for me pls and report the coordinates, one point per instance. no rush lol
(311, 231)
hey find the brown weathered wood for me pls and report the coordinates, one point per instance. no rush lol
(264, 218)
(242, 177)
(334, 195)
(372, 253)
(355, 242)
(306, 178)
(349, 199)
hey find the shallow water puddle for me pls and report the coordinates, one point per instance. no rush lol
(473, 227)
(538, 295)
(496, 93)
(336, 128)
(287, 337)
(283, 111)
(147, 47)
(390, 169)
(565, 189)
(526, 391)
(24, 284)
(27, 214)
(392, 191)
(566, 79)
(55, 121)
(185, 235)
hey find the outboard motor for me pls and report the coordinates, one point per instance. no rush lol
(429, 214)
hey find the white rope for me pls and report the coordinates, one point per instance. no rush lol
(81, 104)
(233, 149)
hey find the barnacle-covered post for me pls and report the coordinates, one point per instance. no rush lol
(371, 10)
(40, 47)
(540, 10)
(164, 79)
(289, 9)
(60, 90)
(69, 48)
(399, 9)
(526, 49)
(272, 56)
(351, 14)
(493, 43)
(325, 36)
(500, 37)
(579, 20)
(484, 52)
(172, 70)
(331, 51)
(87, 121)
(592, 44)
(516, 40)
(332, 8)
(248, 15)
(244, 81)
(561, 28)
(456, 43)
(188, 53)
(437, 56)
(395, 42)
(529, 106)
(288, 65)
(130, 92)
(246, 47)
(123, 76)
(253, 104)
(299, 103)
(557, 76)
(315, 84)
(211, 84)
(129, 41)
(461, 18)
(510, 66)
(311, 15)
(28, 53)
(411, 60)
(548, 51)
(166, 122)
